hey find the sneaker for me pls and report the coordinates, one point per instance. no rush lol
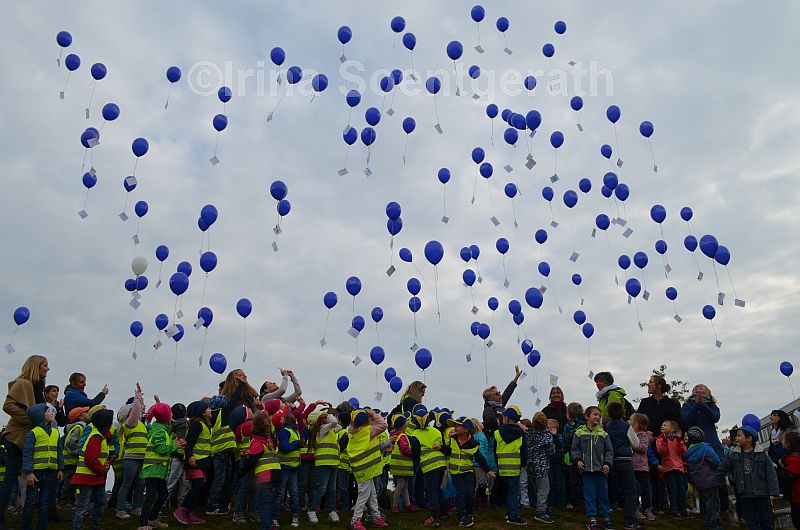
(239, 518)
(275, 524)
(136, 512)
(143, 528)
(412, 508)
(544, 518)
(649, 514)
(609, 525)
(395, 509)
(122, 515)
(312, 517)
(218, 511)
(295, 521)
(182, 515)
(194, 518)
(358, 525)
(592, 524)
(633, 526)
(333, 517)
(570, 506)
(468, 522)
(380, 522)
(519, 521)
(639, 515)
(678, 516)
(157, 524)
(432, 522)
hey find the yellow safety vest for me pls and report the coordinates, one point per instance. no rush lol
(268, 461)
(327, 451)
(82, 468)
(344, 458)
(401, 466)
(244, 446)
(117, 464)
(292, 458)
(153, 457)
(71, 459)
(2, 472)
(508, 458)
(430, 458)
(460, 460)
(45, 450)
(365, 455)
(222, 437)
(202, 447)
(386, 453)
(135, 440)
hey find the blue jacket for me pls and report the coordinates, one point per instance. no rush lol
(765, 480)
(618, 433)
(284, 445)
(486, 448)
(78, 398)
(706, 417)
(652, 457)
(36, 414)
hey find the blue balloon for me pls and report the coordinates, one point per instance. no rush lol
(414, 286)
(130, 285)
(493, 303)
(484, 331)
(709, 312)
(786, 368)
(560, 27)
(244, 307)
(353, 285)
(547, 193)
(475, 251)
(633, 287)
(398, 24)
(278, 189)
(64, 38)
(510, 190)
(534, 357)
(394, 226)
(368, 136)
(88, 136)
(208, 261)
(613, 113)
(89, 180)
(465, 254)
(284, 207)
(751, 420)
(433, 85)
(21, 315)
(443, 175)
(98, 71)
(661, 247)
(477, 13)
(409, 125)
(344, 34)
(377, 355)
(414, 304)
(606, 151)
(478, 155)
(434, 252)
(510, 136)
(530, 82)
(709, 245)
(610, 180)
(161, 321)
(395, 383)
(576, 279)
(389, 374)
(622, 191)
(179, 335)
(350, 136)
(178, 283)
(409, 41)
(576, 103)
(518, 121)
(397, 76)
(224, 94)
(602, 221)
(658, 213)
(319, 82)
(353, 98)
(141, 208)
(141, 283)
(646, 129)
(474, 328)
(514, 307)
(405, 255)
(519, 318)
(140, 147)
(579, 317)
(570, 198)
(474, 71)
(502, 24)
(585, 185)
(557, 139)
(201, 224)
(173, 74)
(606, 191)
(330, 299)
(72, 62)
(354, 402)
(110, 111)
(136, 328)
(455, 50)
(423, 358)
(548, 50)
(534, 297)
(541, 236)
(342, 383)
(672, 293)
(185, 267)
(690, 242)
(723, 256)
(220, 122)
(277, 56)
(469, 277)
(377, 314)
(506, 115)
(393, 210)
(218, 363)
(207, 315)
(588, 330)
(686, 213)
(372, 116)
(624, 262)
(533, 119)
(209, 214)
(527, 346)
(544, 268)
(491, 110)
(640, 260)
(294, 74)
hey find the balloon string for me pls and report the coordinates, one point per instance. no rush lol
(175, 308)
(412, 60)
(580, 293)
(436, 291)
(135, 163)
(572, 230)
(377, 333)
(175, 364)
(636, 305)
(244, 338)
(714, 330)
(138, 224)
(58, 60)
(716, 277)
(208, 236)
(505, 274)
(158, 333)
(491, 138)
(405, 150)
(505, 40)
(125, 204)
(477, 268)
(346, 156)
(391, 102)
(83, 164)
(216, 144)
(65, 82)
(555, 165)
(349, 115)
(444, 200)
(203, 296)
(169, 91)
(650, 145)
(644, 282)
(203, 351)
(325, 329)
(478, 25)
(616, 140)
(544, 333)
(414, 318)
(280, 99)
(472, 294)
(13, 335)
(675, 306)
(472, 345)
(514, 213)
(436, 110)
(625, 210)
(550, 284)
(475, 185)
(491, 196)
(420, 274)
(86, 199)
(485, 364)
(791, 387)
(566, 45)
(354, 307)
(589, 353)
(666, 275)
(376, 379)
(730, 278)
(160, 267)
(552, 216)
(91, 97)
(611, 257)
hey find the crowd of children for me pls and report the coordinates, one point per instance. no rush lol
(258, 453)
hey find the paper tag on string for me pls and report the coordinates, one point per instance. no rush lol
(621, 221)
(508, 51)
(412, 76)
(532, 388)
(506, 283)
(179, 314)
(646, 295)
(135, 239)
(667, 268)
(489, 343)
(353, 332)
(614, 221)
(538, 402)
(738, 303)
(619, 162)
(322, 342)
(390, 112)
(438, 128)
(134, 304)
(445, 219)
(274, 246)
(473, 200)
(356, 361)
(342, 172)
(123, 216)
(158, 284)
(476, 97)
(82, 214)
(479, 49)
(342, 58)
(571, 63)
(198, 323)
(131, 181)
(404, 159)
(720, 298)
(367, 172)
(678, 319)
(10, 349)
(458, 91)
(508, 168)
(157, 345)
(655, 169)
(61, 95)
(553, 380)
(594, 232)
(629, 299)
(378, 396)
(554, 178)
(474, 310)
(200, 360)
(171, 331)
(574, 257)
(560, 311)
(581, 301)
(469, 357)
(530, 163)
(136, 295)
(414, 347)
(616, 280)
(480, 279)
(277, 230)
(494, 221)
(269, 116)
(718, 343)
(554, 223)
(641, 327)
(580, 127)
(244, 357)
(700, 276)
(87, 113)
(542, 289)
(134, 355)
(590, 375)
(627, 233)
(92, 171)
(390, 270)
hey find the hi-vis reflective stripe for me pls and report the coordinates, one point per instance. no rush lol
(135, 440)
(460, 460)
(371, 455)
(45, 450)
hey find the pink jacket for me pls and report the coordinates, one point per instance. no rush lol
(639, 459)
(670, 451)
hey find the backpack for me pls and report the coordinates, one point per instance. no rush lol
(702, 474)
(629, 410)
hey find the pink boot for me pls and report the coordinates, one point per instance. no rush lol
(182, 515)
(380, 522)
(194, 519)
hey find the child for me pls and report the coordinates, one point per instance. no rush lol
(593, 454)
(702, 462)
(241, 420)
(427, 449)
(791, 444)
(540, 448)
(575, 420)
(463, 448)
(641, 467)
(363, 448)
(482, 478)
(262, 460)
(343, 475)
(623, 440)
(177, 485)
(512, 454)
(197, 460)
(401, 463)
(160, 446)
(557, 476)
(323, 444)
(90, 474)
(73, 432)
(670, 449)
(42, 463)
(754, 478)
(289, 445)
(134, 432)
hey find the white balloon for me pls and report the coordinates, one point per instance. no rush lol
(139, 265)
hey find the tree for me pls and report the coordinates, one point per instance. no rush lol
(678, 389)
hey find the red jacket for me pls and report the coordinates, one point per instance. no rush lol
(670, 451)
(793, 469)
(91, 455)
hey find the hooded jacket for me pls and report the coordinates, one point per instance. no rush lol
(701, 464)
(765, 480)
(593, 448)
(510, 432)
(609, 394)
(705, 416)
(540, 448)
(36, 416)
(670, 450)
(493, 410)
(102, 421)
(72, 438)
(21, 395)
(78, 398)
(158, 436)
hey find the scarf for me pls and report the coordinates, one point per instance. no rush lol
(495, 404)
(606, 390)
(560, 406)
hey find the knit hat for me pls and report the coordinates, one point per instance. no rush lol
(123, 412)
(513, 413)
(359, 417)
(178, 411)
(102, 419)
(217, 402)
(75, 413)
(398, 420)
(463, 421)
(695, 435)
(272, 406)
(161, 412)
(751, 431)
(95, 409)
(196, 409)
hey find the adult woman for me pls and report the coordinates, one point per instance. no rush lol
(494, 402)
(238, 391)
(270, 390)
(781, 423)
(412, 396)
(701, 410)
(557, 409)
(608, 392)
(26, 390)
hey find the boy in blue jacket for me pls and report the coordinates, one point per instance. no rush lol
(42, 464)
(702, 462)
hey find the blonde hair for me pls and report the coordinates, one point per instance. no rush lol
(553, 423)
(640, 420)
(539, 420)
(31, 368)
(416, 390)
(229, 388)
(478, 424)
(489, 393)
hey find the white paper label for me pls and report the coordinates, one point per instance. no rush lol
(533, 389)
(506, 283)
(269, 116)
(157, 345)
(390, 270)
(554, 178)
(469, 357)
(495, 221)
(368, 172)
(135, 303)
(10, 349)
(542, 289)
(390, 112)
(123, 216)
(130, 181)
(244, 357)
(322, 342)
(356, 361)
(580, 128)
(353, 332)
(538, 402)
(641, 326)
(479, 49)
(678, 319)
(87, 114)
(718, 343)
(594, 232)
(342, 172)
(574, 257)
(82, 214)
(378, 396)
(553, 380)
(554, 223)
(158, 284)
(619, 162)
(274, 246)
(474, 310)
(179, 314)
(646, 295)
(61, 95)
(700, 276)
(198, 323)
(136, 295)
(508, 168)
(627, 233)
(720, 298)
(445, 219)
(134, 355)
(171, 331)
(739, 303)
(277, 230)
(135, 239)
(438, 128)
(480, 279)
(414, 347)
(590, 375)
(530, 163)
(342, 58)
(214, 160)
(508, 51)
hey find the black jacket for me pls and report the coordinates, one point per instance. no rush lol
(658, 411)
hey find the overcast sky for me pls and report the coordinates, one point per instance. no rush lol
(717, 80)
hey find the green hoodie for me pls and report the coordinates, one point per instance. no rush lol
(158, 436)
